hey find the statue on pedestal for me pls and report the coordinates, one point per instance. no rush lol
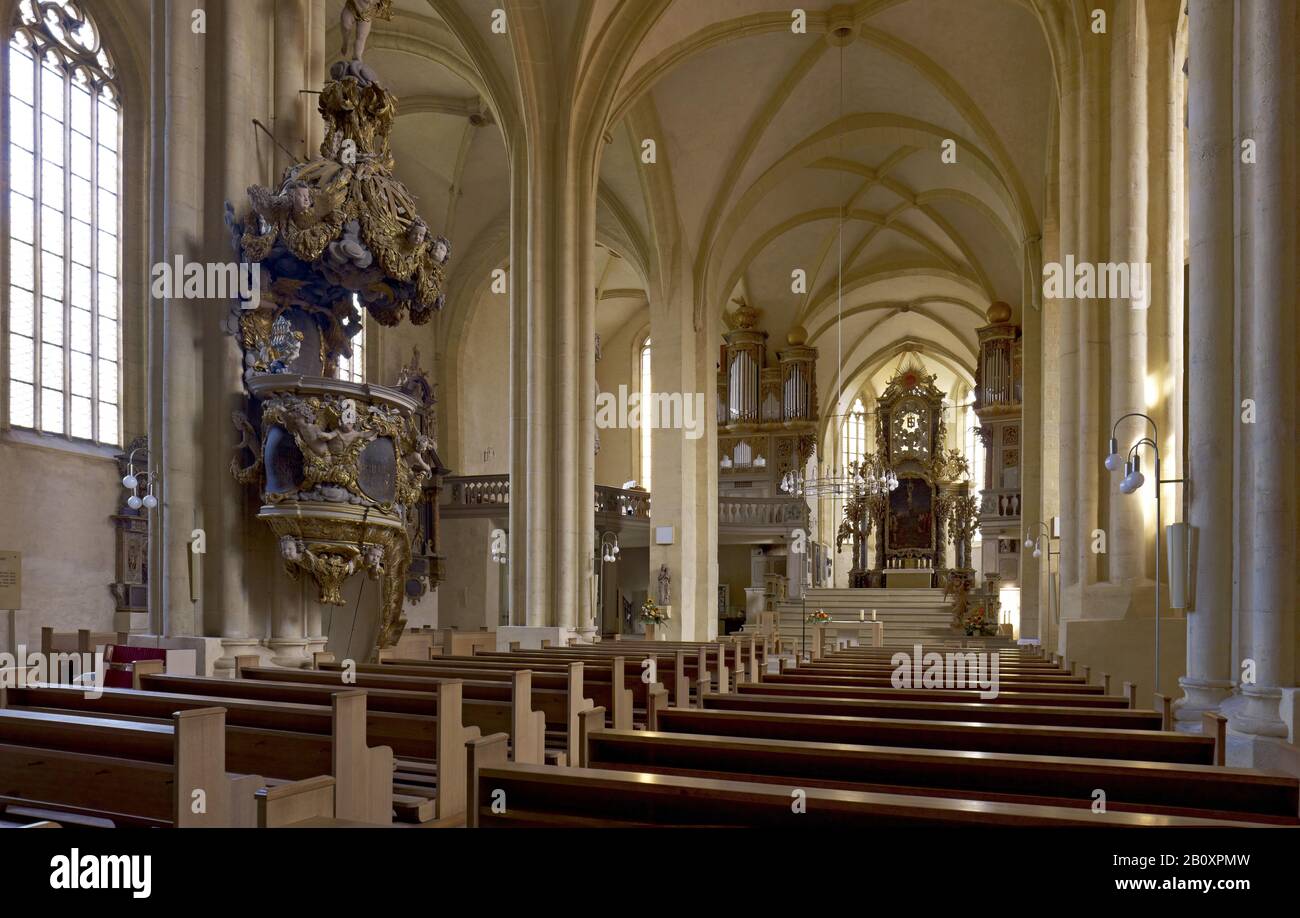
(665, 586)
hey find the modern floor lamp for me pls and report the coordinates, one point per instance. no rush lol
(1134, 479)
(1036, 543)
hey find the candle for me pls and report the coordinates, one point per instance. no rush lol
(873, 615)
(862, 615)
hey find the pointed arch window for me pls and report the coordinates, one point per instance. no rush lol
(853, 435)
(646, 431)
(64, 218)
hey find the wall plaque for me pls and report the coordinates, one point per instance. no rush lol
(11, 580)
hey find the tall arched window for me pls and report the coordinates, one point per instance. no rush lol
(64, 216)
(647, 431)
(853, 435)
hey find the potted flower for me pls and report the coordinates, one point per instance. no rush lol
(979, 621)
(818, 617)
(654, 617)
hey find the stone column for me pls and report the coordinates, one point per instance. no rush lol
(1211, 404)
(238, 544)
(677, 495)
(1090, 174)
(1267, 79)
(1068, 340)
(179, 220)
(1126, 536)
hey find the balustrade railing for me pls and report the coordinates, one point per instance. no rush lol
(477, 490)
(621, 502)
(1003, 502)
(761, 511)
(492, 492)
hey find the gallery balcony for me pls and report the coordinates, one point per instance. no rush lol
(740, 519)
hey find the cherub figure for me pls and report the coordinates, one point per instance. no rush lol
(373, 559)
(291, 549)
(417, 460)
(416, 232)
(354, 23)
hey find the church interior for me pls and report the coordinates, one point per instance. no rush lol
(629, 413)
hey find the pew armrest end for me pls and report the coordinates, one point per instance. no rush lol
(284, 805)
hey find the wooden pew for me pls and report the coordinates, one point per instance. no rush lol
(81, 641)
(1151, 787)
(588, 797)
(1027, 739)
(290, 742)
(924, 694)
(598, 679)
(801, 677)
(132, 773)
(703, 663)
(494, 706)
(424, 731)
(980, 712)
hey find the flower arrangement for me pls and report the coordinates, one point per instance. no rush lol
(651, 614)
(818, 617)
(979, 620)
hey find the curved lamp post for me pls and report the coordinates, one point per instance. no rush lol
(1036, 543)
(609, 552)
(1132, 481)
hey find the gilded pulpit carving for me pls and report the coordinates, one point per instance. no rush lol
(343, 468)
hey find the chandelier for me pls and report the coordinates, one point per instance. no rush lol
(869, 477)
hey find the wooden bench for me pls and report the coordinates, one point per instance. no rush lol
(803, 677)
(1072, 699)
(131, 773)
(702, 667)
(1152, 787)
(425, 730)
(597, 680)
(81, 641)
(678, 673)
(587, 797)
(285, 741)
(490, 706)
(1027, 739)
(980, 712)
(749, 655)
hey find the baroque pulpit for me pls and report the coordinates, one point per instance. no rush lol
(344, 469)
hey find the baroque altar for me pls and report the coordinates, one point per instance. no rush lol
(912, 491)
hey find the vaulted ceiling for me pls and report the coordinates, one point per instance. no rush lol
(769, 136)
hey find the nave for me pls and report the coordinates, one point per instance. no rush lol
(626, 734)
